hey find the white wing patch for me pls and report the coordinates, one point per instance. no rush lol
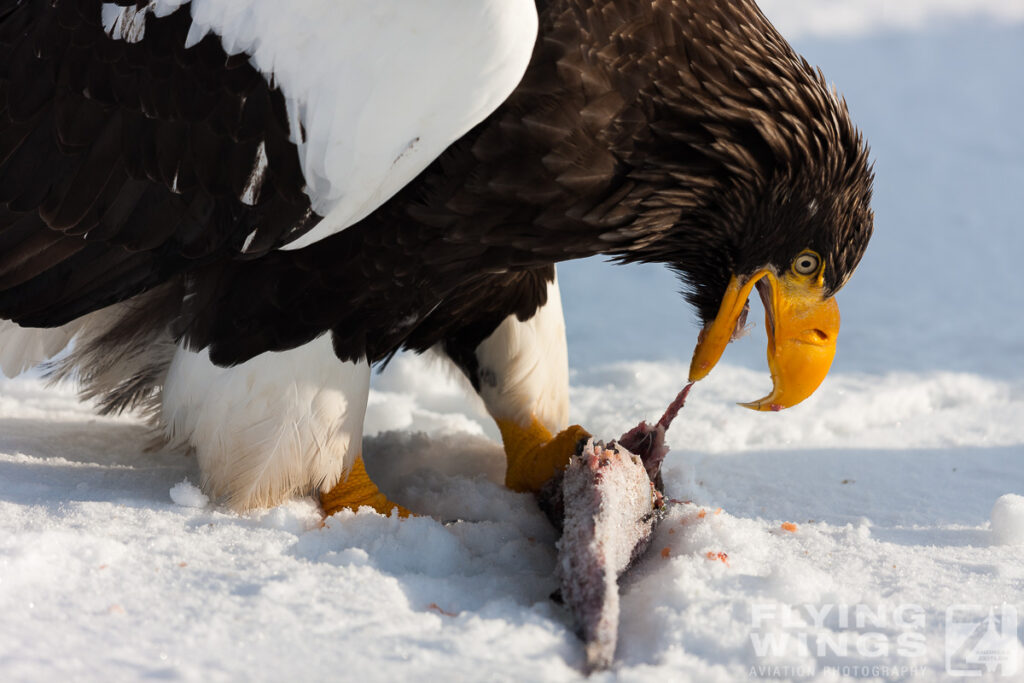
(259, 173)
(125, 23)
(376, 89)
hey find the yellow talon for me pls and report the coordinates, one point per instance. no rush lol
(534, 455)
(356, 491)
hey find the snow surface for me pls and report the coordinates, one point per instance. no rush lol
(187, 494)
(899, 481)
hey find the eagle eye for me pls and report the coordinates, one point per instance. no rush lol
(806, 263)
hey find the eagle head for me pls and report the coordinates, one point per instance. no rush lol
(756, 178)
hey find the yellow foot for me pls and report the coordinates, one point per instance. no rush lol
(534, 455)
(357, 491)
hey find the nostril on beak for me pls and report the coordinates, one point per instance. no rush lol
(816, 336)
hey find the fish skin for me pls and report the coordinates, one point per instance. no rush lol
(610, 514)
(607, 503)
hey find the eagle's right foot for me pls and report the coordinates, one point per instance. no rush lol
(534, 455)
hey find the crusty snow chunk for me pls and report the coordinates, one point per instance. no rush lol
(187, 495)
(1008, 520)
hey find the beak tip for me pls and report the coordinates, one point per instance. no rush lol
(764, 406)
(699, 371)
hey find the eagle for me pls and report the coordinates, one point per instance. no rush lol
(223, 213)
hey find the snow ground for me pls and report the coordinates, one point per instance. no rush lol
(112, 568)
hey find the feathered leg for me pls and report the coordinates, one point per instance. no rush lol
(522, 373)
(278, 425)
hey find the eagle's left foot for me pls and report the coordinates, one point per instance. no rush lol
(534, 455)
(357, 491)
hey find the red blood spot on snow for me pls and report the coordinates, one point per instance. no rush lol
(721, 557)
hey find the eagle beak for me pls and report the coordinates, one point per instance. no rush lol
(802, 327)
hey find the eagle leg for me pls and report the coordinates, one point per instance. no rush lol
(521, 371)
(358, 490)
(533, 455)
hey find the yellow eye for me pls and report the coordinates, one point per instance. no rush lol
(806, 263)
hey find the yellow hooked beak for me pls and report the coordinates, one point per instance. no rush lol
(802, 327)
